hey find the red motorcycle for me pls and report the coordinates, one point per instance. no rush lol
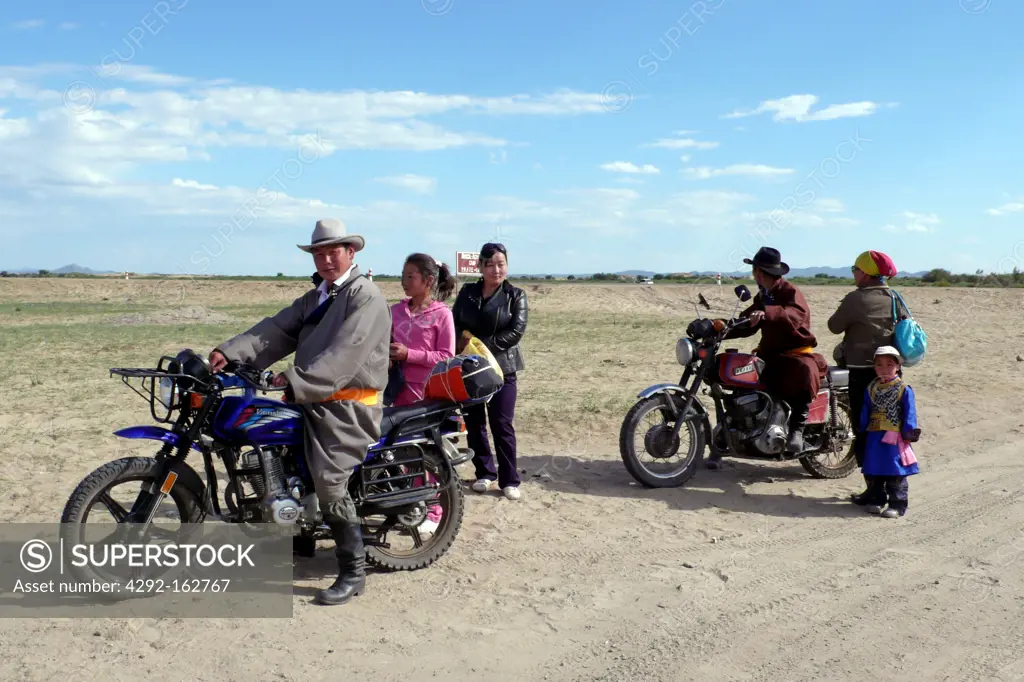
(749, 423)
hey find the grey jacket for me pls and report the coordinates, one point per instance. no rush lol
(865, 319)
(347, 348)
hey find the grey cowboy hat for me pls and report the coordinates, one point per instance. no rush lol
(769, 260)
(329, 231)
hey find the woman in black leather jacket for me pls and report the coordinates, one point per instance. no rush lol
(494, 311)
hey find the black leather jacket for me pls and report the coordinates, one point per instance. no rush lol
(500, 322)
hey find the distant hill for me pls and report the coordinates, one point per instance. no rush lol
(795, 272)
(73, 268)
(82, 270)
(810, 272)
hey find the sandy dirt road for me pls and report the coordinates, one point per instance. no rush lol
(753, 572)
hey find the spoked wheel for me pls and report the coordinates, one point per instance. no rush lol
(651, 454)
(836, 458)
(411, 547)
(97, 512)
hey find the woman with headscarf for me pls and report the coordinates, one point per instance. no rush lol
(865, 320)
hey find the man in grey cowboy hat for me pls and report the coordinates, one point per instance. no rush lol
(340, 332)
(793, 371)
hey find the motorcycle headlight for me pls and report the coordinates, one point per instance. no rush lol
(684, 351)
(167, 392)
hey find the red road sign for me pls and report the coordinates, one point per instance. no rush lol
(467, 263)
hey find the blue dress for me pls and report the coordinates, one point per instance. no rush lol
(883, 459)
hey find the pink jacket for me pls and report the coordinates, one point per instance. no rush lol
(430, 338)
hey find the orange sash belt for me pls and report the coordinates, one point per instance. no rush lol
(367, 396)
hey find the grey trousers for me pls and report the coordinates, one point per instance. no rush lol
(337, 435)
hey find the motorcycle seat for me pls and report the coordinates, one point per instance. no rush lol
(840, 377)
(393, 416)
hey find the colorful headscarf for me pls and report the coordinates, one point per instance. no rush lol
(875, 264)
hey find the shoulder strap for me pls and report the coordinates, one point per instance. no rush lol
(894, 295)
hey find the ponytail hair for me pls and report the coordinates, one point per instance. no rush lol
(444, 282)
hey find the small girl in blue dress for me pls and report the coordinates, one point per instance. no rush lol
(889, 420)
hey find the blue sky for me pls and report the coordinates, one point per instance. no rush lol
(200, 138)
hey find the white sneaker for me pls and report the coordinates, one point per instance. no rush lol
(428, 527)
(511, 492)
(483, 485)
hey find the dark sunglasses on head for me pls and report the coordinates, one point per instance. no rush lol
(490, 248)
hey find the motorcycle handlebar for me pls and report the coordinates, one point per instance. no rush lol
(248, 375)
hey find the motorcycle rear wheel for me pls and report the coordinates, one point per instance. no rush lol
(816, 464)
(452, 502)
(627, 444)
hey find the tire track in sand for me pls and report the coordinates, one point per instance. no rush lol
(944, 518)
(660, 652)
(964, 438)
(886, 600)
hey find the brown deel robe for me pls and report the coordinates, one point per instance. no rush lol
(786, 327)
(348, 348)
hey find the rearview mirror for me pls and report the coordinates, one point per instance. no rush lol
(742, 293)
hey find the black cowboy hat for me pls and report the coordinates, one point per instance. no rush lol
(769, 260)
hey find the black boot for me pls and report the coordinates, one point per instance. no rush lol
(864, 498)
(798, 418)
(351, 581)
(303, 546)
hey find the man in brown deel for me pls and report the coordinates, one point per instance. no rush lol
(340, 333)
(793, 371)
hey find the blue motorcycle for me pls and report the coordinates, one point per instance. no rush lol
(259, 442)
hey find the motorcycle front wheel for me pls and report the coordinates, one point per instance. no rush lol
(107, 495)
(647, 430)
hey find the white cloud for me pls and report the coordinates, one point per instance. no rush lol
(627, 167)
(685, 158)
(114, 121)
(29, 24)
(1007, 208)
(830, 205)
(820, 213)
(192, 184)
(67, 26)
(798, 108)
(138, 73)
(13, 127)
(745, 169)
(681, 143)
(914, 222)
(414, 183)
(144, 151)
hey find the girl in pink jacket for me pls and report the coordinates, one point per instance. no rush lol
(423, 334)
(422, 327)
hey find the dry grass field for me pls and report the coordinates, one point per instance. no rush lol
(752, 572)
